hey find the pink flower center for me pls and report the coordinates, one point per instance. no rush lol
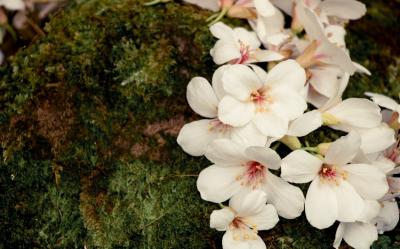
(242, 230)
(332, 174)
(254, 175)
(244, 54)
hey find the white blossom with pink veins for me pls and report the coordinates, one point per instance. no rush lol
(239, 46)
(238, 169)
(337, 187)
(269, 101)
(247, 214)
(13, 4)
(362, 233)
(343, 9)
(203, 98)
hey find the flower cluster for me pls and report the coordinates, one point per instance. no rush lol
(246, 109)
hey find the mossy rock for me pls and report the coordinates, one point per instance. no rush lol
(89, 117)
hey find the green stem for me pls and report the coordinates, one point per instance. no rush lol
(219, 17)
(154, 2)
(311, 149)
(221, 205)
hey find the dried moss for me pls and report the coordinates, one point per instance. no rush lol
(89, 116)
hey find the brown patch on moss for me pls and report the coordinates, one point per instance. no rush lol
(169, 127)
(55, 118)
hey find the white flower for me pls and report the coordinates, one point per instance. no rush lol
(338, 188)
(362, 233)
(269, 101)
(343, 9)
(385, 102)
(246, 215)
(321, 50)
(238, 46)
(237, 169)
(203, 99)
(388, 216)
(13, 4)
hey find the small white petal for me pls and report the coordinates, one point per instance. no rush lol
(195, 137)
(225, 152)
(248, 135)
(360, 235)
(350, 204)
(264, 7)
(285, 5)
(321, 205)
(271, 124)
(339, 235)
(225, 51)
(357, 112)
(324, 79)
(248, 38)
(230, 241)
(383, 101)
(346, 9)
(248, 202)
(201, 97)
(388, 217)
(343, 150)
(369, 181)
(377, 139)
(287, 199)
(222, 31)
(266, 219)
(240, 82)
(305, 124)
(289, 102)
(217, 83)
(310, 21)
(234, 112)
(265, 56)
(265, 156)
(300, 167)
(218, 184)
(221, 219)
(370, 211)
(334, 55)
(288, 75)
(361, 69)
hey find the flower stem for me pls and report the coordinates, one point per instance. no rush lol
(221, 205)
(219, 16)
(154, 2)
(310, 149)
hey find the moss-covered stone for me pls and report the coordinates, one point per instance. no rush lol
(89, 116)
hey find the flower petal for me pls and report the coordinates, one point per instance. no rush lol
(234, 112)
(265, 156)
(339, 235)
(217, 83)
(360, 235)
(288, 75)
(376, 139)
(271, 124)
(14, 4)
(287, 199)
(225, 51)
(383, 101)
(305, 124)
(368, 180)
(370, 211)
(324, 80)
(225, 152)
(264, 7)
(218, 184)
(248, 202)
(248, 135)
(343, 150)
(195, 137)
(229, 240)
(221, 219)
(289, 102)
(240, 82)
(349, 203)
(321, 205)
(265, 56)
(346, 9)
(300, 167)
(201, 97)
(357, 112)
(266, 219)
(222, 31)
(248, 38)
(388, 217)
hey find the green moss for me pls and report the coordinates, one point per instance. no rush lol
(89, 116)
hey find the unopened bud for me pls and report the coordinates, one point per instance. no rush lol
(292, 142)
(329, 119)
(323, 148)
